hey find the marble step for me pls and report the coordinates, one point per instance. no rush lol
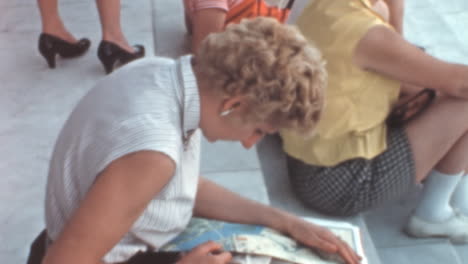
(280, 194)
(385, 225)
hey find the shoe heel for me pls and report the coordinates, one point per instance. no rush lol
(108, 56)
(47, 50)
(108, 64)
(49, 55)
(109, 67)
(50, 58)
(113, 56)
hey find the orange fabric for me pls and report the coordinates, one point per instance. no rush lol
(255, 8)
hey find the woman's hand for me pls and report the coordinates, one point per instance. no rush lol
(209, 253)
(241, 210)
(320, 238)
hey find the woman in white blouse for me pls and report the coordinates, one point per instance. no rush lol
(123, 177)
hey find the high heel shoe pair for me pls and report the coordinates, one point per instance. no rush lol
(111, 55)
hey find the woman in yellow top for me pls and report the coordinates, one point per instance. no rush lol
(356, 161)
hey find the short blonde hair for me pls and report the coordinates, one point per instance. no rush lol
(280, 73)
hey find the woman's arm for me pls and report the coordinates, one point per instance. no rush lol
(241, 210)
(204, 22)
(216, 202)
(386, 52)
(117, 198)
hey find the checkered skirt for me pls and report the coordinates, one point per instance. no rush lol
(356, 185)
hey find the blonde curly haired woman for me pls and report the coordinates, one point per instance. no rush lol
(123, 178)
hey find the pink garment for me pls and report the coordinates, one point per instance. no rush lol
(192, 6)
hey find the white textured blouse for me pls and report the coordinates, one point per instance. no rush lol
(150, 104)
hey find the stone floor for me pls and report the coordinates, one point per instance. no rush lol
(34, 102)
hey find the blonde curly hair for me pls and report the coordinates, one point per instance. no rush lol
(280, 73)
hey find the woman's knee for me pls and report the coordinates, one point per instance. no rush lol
(443, 125)
(451, 109)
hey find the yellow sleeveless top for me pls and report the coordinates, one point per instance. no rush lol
(357, 102)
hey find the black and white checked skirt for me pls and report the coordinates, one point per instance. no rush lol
(356, 185)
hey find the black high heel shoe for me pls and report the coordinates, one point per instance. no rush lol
(50, 46)
(111, 55)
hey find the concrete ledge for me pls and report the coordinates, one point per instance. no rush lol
(169, 32)
(280, 194)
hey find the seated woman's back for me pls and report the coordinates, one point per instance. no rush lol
(357, 101)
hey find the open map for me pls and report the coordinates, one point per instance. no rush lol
(258, 240)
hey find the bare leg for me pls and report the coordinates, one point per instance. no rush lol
(204, 22)
(51, 21)
(456, 157)
(439, 138)
(109, 14)
(439, 141)
(188, 24)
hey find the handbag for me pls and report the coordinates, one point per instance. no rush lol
(401, 114)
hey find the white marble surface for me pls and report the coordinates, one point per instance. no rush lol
(462, 251)
(439, 26)
(249, 183)
(386, 223)
(34, 102)
(227, 156)
(171, 41)
(436, 253)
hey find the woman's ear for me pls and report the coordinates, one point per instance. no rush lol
(231, 104)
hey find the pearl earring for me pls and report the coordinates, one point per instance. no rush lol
(227, 112)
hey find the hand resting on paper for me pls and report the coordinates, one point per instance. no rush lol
(322, 241)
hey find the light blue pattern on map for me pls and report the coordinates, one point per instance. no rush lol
(201, 230)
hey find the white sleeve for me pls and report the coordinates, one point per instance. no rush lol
(138, 134)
